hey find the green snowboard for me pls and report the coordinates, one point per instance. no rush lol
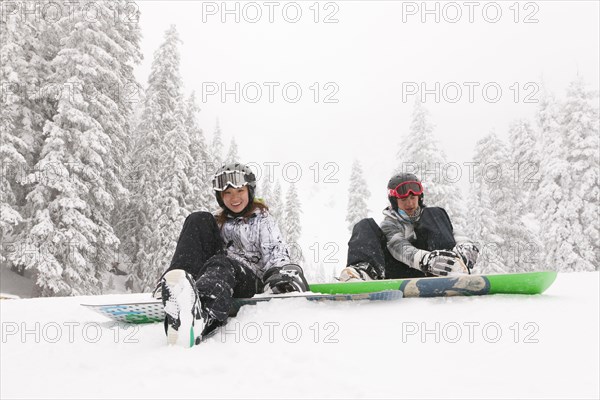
(464, 285)
(390, 289)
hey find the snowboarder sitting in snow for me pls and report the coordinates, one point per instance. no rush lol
(237, 253)
(414, 240)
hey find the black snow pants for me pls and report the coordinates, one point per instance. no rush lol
(201, 252)
(368, 243)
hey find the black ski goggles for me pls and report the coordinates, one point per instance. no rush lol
(405, 189)
(235, 179)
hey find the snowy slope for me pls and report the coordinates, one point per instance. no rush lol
(499, 346)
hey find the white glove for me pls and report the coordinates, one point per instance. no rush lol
(468, 252)
(442, 263)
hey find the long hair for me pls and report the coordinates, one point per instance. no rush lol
(259, 204)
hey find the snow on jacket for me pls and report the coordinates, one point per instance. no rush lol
(400, 233)
(255, 241)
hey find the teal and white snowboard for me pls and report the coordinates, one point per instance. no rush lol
(152, 310)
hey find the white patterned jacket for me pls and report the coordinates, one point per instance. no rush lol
(255, 241)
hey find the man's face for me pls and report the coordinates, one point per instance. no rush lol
(409, 204)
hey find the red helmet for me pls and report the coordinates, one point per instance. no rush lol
(401, 186)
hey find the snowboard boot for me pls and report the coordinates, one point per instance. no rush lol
(357, 272)
(210, 327)
(183, 321)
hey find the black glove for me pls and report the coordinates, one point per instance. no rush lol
(442, 263)
(468, 252)
(286, 279)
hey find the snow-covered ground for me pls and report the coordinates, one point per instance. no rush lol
(501, 346)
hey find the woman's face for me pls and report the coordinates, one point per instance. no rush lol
(235, 199)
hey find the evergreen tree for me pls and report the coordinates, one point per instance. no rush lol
(74, 198)
(483, 225)
(581, 138)
(554, 200)
(203, 197)
(276, 207)
(525, 163)
(293, 229)
(125, 218)
(552, 208)
(164, 188)
(358, 194)
(25, 51)
(232, 154)
(265, 189)
(508, 204)
(420, 154)
(130, 101)
(13, 149)
(216, 147)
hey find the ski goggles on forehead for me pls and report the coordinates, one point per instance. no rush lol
(404, 189)
(235, 179)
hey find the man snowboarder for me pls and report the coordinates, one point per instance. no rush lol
(413, 241)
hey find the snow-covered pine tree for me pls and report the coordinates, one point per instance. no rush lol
(420, 153)
(553, 198)
(265, 188)
(75, 194)
(200, 178)
(483, 220)
(232, 153)
(125, 219)
(525, 179)
(131, 99)
(171, 200)
(516, 244)
(164, 148)
(276, 207)
(26, 49)
(216, 147)
(291, 221)
(579, 121)
(559, 202)
(525, 162)
(128, 95)
(12, 162)
(14, 151)
(358, 195)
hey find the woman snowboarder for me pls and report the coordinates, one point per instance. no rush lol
(237, 253)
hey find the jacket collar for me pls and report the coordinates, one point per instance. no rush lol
(400, 215)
